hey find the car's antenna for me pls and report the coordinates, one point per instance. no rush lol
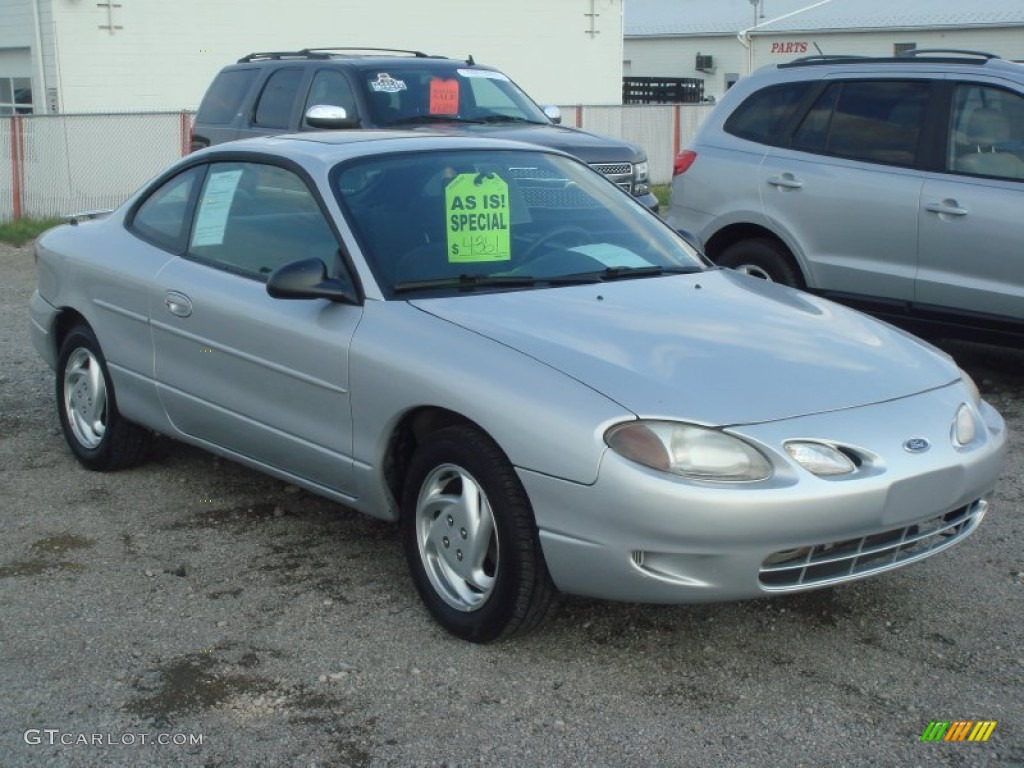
(470, 61)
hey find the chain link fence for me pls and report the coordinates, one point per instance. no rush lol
(54, 165)
(61, 164)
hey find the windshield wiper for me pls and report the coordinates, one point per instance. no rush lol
(470, 282)
(508, 119)
(432, 119)
(621, 273)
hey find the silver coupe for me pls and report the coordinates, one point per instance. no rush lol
(496, 347)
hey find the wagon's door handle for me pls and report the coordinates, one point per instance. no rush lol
(178, 304)
(786, 181)
(948, 207)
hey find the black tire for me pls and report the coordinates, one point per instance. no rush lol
(94, 429)
(511, 591)
(763, 258)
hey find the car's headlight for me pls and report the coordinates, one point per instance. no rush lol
(819, 458)
(697, 453)
(972, 387)
(642, 177)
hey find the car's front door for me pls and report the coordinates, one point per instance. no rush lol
(277, 105)
(970, 219)
(847, 189)
(263, 378)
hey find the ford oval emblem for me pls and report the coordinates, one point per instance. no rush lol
(916, 445)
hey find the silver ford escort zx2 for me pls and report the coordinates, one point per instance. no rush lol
(492, 345)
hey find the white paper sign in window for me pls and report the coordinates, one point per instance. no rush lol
(214, 207)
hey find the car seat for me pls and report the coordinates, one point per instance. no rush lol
(986, 130)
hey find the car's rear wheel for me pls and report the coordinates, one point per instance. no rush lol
(94, 429)
(762, 258)
(471, 540)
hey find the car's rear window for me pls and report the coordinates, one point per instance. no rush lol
(223, 100)
(765, 113)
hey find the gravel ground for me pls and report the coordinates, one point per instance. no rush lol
(193, 600)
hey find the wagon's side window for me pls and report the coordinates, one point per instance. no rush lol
(252, 218)
(163, 217)
(986, 136)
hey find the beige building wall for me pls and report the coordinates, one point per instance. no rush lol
(158, 55)
(676, 56)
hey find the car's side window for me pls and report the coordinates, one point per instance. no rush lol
(274, 108)
(877, 121)
(224, 99)
(986, 135)
(332, 88)
(253, 218)
(763, 115)
(163, 217)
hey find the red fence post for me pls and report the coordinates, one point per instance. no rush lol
(185, 132)
(579, 116)
(17, 164)
(675, 135)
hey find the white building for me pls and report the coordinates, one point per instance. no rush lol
(130, 55)
(663, 38)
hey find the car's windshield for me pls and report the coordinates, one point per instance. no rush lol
(497, 220)
(445, 92)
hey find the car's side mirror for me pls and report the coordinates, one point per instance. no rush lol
(307, 279)
(554, 113)
(330, 116)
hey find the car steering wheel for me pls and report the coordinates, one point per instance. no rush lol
(555, 234)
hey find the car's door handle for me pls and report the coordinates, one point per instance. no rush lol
(786, 180)
(178, 304)
(948, 207)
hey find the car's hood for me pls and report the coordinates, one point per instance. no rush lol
(716, 348)
(588, 147)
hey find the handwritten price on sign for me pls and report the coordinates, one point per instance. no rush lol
(478, 219)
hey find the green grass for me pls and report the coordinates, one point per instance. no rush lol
(22, 230)
(661, 191)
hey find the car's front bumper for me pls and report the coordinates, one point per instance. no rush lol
(642, 536)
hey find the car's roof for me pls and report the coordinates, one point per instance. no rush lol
(938, 60)
(329, 147)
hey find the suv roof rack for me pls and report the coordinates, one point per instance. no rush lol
(911, 53)
(327, 53)
(937, 55)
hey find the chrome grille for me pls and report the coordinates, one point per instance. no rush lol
(613, 169)
(851, 559)
(620, 173)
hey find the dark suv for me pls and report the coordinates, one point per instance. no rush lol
(343, 88)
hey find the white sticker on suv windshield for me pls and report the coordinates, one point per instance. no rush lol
(214, 207)
(490, 74)
(385, 83)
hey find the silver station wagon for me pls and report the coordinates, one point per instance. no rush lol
(497, 348)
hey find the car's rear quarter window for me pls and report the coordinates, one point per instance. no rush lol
(765, 113)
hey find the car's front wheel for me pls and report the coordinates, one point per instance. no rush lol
(762, 258)
(94, 429)
(471, 540)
